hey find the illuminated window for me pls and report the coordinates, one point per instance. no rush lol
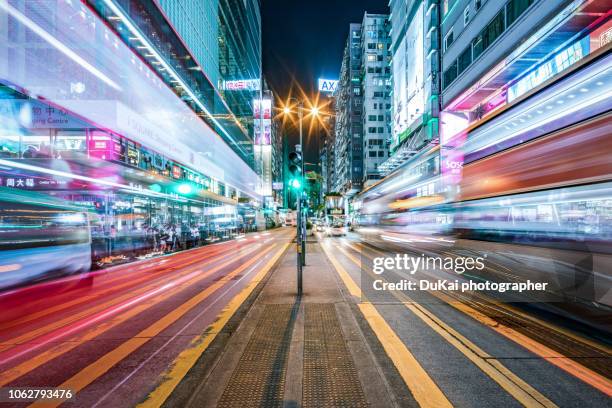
(371, 57)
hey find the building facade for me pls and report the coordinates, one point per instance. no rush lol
(362, 102)
(224, 37)
(522, 125)
(376, 94)
(415, 69)
(326, 148)
(485, 72)
(348, 151)
(108, 107)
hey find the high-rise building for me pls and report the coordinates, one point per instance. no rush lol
(362, 100)
(209, 53)
(525, 87)
(326, 148)
(375, 90)
(415, 70)
(224, 36)
(348, 151)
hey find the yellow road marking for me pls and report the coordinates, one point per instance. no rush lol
(565, 363)
(570, 366)
(514, 385)
(601, 347)
(96, 369)
(188, 357)
(512, 310)
(13, 373)
(105, 292)
(350, 284)
(421, 385)
(40, 331)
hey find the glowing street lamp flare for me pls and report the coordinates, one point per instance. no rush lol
(314, 111)
(286, 110)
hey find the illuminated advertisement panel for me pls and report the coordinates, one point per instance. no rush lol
(328, 85)
(262, 124)
(408, 72)
(242, 85)
(400, 121)
(561, 61)
(263, 160)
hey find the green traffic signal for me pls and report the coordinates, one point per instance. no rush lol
(296, 183)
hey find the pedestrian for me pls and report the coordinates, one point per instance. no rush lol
(195, 235)
(173, 238)
(112, 238)
(163, 240)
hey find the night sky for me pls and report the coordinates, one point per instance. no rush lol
(304, 40)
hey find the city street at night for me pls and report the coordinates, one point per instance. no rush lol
(116, 331)
(272, 203)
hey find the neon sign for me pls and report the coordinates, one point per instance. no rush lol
(328, 85)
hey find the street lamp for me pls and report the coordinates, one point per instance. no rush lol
(314, 110)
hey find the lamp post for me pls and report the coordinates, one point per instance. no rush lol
(302, 222)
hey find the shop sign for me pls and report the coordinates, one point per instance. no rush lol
(328, 85)
(176, 172)
(242, 85)
(133, 156)
(30, 182)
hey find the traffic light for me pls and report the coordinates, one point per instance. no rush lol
(295, 183)
(295, 169)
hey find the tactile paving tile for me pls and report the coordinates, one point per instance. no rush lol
(330, 376)
(259, 378)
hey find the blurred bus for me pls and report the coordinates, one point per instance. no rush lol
(41, 237)
(541, 210)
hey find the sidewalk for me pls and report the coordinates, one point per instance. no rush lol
(290, 353)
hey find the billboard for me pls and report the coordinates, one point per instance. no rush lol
(242, 85)
(262, 121)
(328, 85)
(263, 163)
(408, 78)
